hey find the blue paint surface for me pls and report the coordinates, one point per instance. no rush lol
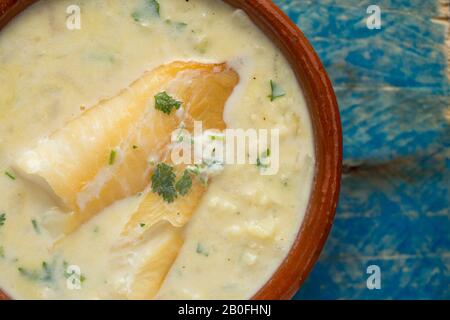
(393, 93)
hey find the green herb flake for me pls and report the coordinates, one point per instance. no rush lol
(276, 91)
(32, 275)
(68, 274)
(2, 252)
(260, 164)
(184, 184)
(142, 225)
(112, 157)
(148, 10)
(135, 147)
(2, 219)
(10, 175)
(179, 26)
(36, 226)
(45, 274)
(165, 103)
(201, 250)
(261, 161)
(163, 181)
(217, 138)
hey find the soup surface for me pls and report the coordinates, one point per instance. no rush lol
(67, 76)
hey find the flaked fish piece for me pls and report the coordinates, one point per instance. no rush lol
(103, 155)
(139, 273)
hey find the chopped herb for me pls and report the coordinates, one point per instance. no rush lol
(261, 161)
(2, 219)
(112, 157)
(184, 183)
(260, 164)
(154, 5)
(65, 267)
(165, 103)
(218, 137)
(178, 25)
(45, 274)
(135, 147)
(68, 274)
(201, 250)
(276, 91)
(142, 225)
(35, 226)
(148, 10)
(163, 180)
(2, 252)
(10, 175)
(29, 274)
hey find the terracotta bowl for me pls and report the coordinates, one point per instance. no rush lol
(324, 112)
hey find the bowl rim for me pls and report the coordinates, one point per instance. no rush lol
(324, 114)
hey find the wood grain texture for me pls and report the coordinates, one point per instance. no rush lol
(394, 96)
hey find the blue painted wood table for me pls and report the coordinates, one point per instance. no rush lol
(393, 91)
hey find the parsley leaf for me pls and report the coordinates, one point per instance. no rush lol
(184, 183)
(276, 91)
(2, 219)
(165, 103)
(163, 180)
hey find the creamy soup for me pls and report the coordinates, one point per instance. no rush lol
(93, 99)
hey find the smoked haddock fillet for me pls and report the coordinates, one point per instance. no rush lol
(138, 272)
(103, 155)
(151, 274)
